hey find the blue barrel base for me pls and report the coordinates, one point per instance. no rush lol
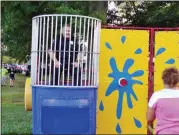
(64, 110)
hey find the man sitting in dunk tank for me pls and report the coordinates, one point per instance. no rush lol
(64, 53)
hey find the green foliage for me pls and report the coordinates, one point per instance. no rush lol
(163, 14)
(8, 60)
(17, 18)
(101, 15)
(151, 14)
(17, 21)
(16, 25)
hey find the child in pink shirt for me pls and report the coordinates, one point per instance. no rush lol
(164, 104)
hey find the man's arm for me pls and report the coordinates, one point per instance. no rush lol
(151, 112)
(150, 115)
(53, 56)
(79, 55)
(150, 119)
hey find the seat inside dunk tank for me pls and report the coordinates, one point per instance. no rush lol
(85, 81)
(66, 83)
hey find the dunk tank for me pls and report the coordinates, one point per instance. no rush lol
(64, 74)
(70, 95)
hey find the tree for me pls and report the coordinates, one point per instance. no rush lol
(147, 14)
(16, 25)
(98, 9)
(17, 20)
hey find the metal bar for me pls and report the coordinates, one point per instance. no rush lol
(51, 49)
(46, 52)
(67, 15)
(89, 77)
(33, 48)
(39, 62)
(78, 52)
(43, 48)
(36, 48)
(87, 53)
(83, 49)
(55, 48)
(69, 52)
(151, 68)
(59, 58)
(99, 36)
(32, 54)
(96, 56)
(64, 50)
(74, 46)
(67, 86)
(93, 55)
(54, 52)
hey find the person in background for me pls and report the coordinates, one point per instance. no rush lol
(4, 72)
(57, 56)
(12, 77)
(163, 105)
(9, 69)
(27, 73)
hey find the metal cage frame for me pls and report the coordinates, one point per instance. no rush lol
(45, 29)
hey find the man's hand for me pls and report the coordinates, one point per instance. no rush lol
(75, 64)
(57, 64)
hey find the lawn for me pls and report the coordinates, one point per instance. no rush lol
(15, 120)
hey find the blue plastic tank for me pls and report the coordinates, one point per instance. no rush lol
(64, 110)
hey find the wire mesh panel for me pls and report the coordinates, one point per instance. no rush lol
(65, 50)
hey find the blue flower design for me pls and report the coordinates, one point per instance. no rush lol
(114, 85)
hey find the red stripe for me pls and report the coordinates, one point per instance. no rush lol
(140, 28)
(151, 66)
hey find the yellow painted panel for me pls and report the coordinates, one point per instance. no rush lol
(113, 46)
(170, 41)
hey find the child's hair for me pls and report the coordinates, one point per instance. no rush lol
(170, 77)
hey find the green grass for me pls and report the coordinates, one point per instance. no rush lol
(15, 120)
